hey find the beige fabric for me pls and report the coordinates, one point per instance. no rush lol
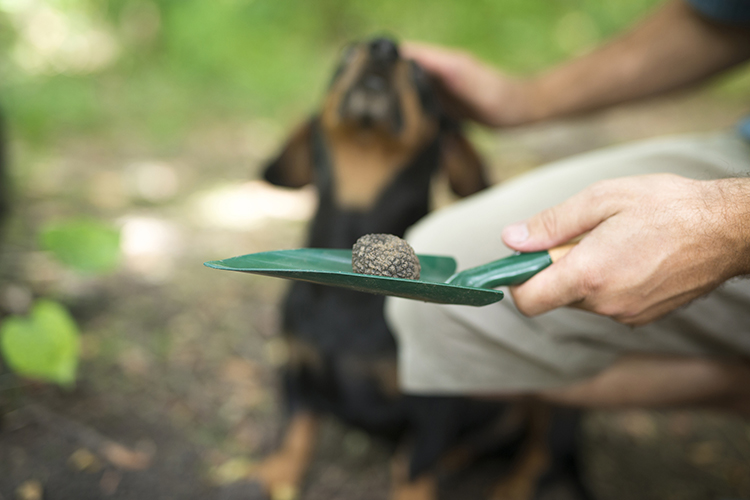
(461, 349)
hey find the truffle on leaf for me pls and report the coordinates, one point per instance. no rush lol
(385, 255)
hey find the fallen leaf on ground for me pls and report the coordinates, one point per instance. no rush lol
(705, 453)
(639, 424)
(83, 460)
(285, 492)
(30, 490)
(125, 458)
(110, 482)
(231, 471)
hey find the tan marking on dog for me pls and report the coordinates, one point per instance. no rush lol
(513, 420)
(386, 373)
(365, 161)
(301, 353)
(423, 487)
(522, 481)
(281, 474)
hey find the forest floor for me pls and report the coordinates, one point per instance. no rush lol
(179, 361)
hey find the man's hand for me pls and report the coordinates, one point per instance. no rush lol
(673, 47)
(656, 242)
(473, 89)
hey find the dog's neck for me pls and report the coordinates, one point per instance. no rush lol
(402, 197)
(365, 161)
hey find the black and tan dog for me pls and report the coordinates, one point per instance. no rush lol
(371, 153)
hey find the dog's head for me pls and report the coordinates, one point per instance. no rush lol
(375, 89)
(379, 113)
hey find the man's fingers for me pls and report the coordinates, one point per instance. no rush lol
(561, 223)
(578, 280)
(561, 284)
(434, 59)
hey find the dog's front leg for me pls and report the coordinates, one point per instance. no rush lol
(403, 487)
(281, 473)
(533, 460)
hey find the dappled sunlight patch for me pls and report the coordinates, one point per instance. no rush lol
(54, 40)
(30, 490)
(638, 424)
(251, 205)
(140, 22)
(231, 471)
(153, 181)
(106, 190)
(149, 246)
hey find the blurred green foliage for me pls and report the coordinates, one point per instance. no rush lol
(159, 67)
(84, 245)
(44, 346)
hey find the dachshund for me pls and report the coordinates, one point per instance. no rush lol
(372, 153)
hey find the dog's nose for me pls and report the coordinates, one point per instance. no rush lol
(374, 82)
(383, 50)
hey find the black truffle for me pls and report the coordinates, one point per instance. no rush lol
(385, 255)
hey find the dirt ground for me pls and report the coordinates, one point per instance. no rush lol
(179, 360)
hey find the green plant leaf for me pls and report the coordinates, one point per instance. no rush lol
(84, 245)
(43, 346)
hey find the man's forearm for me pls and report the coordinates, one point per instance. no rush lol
(734, 197)
(672, 48)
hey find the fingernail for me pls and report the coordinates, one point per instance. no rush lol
(516, 233)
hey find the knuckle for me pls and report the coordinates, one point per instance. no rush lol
(601, 189)
(602, 192)
(549, 221)
(591, 282)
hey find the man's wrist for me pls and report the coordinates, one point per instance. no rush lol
(520, 102)
(733, 219)
(545, 97)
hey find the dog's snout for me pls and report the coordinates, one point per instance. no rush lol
(374, 82)
(383, 50)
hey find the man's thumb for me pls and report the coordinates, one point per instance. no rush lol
(557, 225)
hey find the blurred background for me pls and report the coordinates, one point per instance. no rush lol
(136, 130)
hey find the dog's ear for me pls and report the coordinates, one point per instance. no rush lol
(425, 87)
(461, 161)
(293, 167)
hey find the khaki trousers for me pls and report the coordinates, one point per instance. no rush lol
(447, 349)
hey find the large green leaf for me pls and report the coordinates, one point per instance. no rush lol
(84, 245)
(43, 346)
